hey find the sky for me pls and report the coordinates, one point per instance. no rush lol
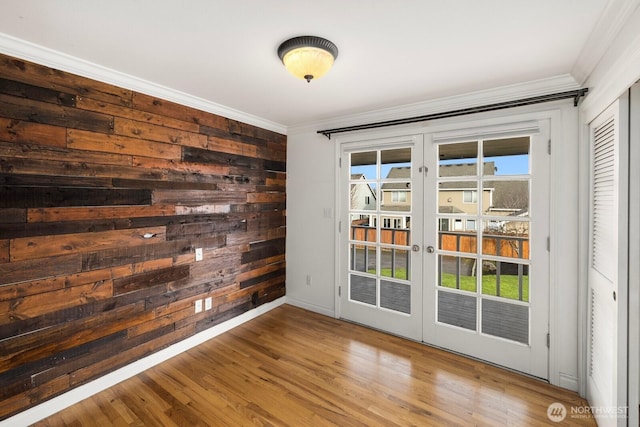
(506, 165)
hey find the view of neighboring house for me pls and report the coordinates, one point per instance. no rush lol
(396, 197)
(363, 198)
(500, 198)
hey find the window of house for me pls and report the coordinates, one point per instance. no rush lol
(470, 196)
(386, 223)
(457, 224)
(367, 200)
(397, 223)
(471, 224)
(399, 196)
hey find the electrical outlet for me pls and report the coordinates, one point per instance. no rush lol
(198, 306)
(199, 254)
(308, 280)
(208, 303)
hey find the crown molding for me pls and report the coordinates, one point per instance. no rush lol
(51, 58)
(561, 83)
(613, 76)
(612, 20)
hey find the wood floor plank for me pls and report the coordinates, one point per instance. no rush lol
(293, 367)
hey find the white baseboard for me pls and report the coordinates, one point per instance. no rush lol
(71, 397)
(315, 308)
(569, 382)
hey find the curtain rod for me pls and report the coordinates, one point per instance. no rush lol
(575, 94)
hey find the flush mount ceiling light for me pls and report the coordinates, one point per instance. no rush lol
(308, 57)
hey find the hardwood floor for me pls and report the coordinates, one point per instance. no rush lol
(294, 367)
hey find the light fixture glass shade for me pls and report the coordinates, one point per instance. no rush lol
(308, 57)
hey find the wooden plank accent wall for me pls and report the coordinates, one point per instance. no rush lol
(105, 194)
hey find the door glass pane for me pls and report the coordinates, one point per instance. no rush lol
(457, 273)
(460, 159)
(362, 289)
(506, 238)
(504, 320)
(505, 280)
(364, 165)
(459, 197)
(457, 234)
(508, 156)
(363, 258)
(457, 310)
(395, 296)
(363, 228)
(362, 196)
(396, 197)
(508, 198)
(395, 263)
(396, 159)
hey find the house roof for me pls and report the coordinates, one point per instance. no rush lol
(506, 194)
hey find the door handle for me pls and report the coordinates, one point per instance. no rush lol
(415, 248)
(430, 249)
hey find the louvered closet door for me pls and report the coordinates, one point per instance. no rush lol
(602, 383)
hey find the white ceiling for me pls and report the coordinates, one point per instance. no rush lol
(392, 52)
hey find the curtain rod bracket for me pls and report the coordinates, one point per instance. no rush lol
(573, 94)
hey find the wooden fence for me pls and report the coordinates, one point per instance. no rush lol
(505, 245)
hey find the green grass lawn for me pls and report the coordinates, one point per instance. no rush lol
(508, 284)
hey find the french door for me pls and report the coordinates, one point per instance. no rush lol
(381, 280)
(443, 239)
(486, 274)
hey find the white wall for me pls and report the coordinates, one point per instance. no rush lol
(311, 175)
(311, 238)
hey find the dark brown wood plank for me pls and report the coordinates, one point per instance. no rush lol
(14, 231)
(13, 216)
(264, 249)
(22, 180)
(31, 73)
(127, 255)
(14, 272)
(42, 112)
(23, 90)
(21, 165)
(43, 246)
(152, 278)
(171, 109)
(56, 154)
(4, 251)
(43, 197)
(98, 106)
(197, 155)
